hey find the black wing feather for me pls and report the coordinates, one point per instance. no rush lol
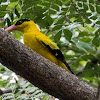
(58, 54)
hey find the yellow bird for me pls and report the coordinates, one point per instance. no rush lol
(39, 42)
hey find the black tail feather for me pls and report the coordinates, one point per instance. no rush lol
(67, 66)
(58, 54)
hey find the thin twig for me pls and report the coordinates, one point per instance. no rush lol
(47, 32)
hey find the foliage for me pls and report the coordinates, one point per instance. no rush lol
(72, 24)
(21, 90)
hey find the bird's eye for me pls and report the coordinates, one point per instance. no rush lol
(19, 22)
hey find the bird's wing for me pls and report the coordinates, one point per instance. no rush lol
(45, 41)
(52, 47)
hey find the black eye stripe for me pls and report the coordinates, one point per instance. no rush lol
(19, 22)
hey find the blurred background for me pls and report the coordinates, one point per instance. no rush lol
(72, 24)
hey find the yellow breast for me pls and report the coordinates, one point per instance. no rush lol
(31, 41)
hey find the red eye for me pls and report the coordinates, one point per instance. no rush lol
(19, 22)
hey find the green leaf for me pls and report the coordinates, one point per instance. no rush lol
(0, 1)
(72, 9)
(91, 7)
(46, 4)
(8, 97)
(2, 68)
(29, 3)
(49, 20)
(85, 6)
(20, 2)
(97, 33)
(79, 19)
(57, 27)
(59, 2)
(44, 23)
(57, 36)
(19, 92)
(67, 34)
(2, 14)
(82, 45)
(88, 21)
(17, 13)
(67, 2)
(31, 89)
(91, 70)
(37, 11)
(98, 22)
(82, 34)
(85, 39)
(96, 41)
(4, 1)
(88, 57)
(46, 97)
(8, 22)
(50, 0)
(84, 0)
(22, 83)
(12, 0)
(98, 9)
(82, 10)
(3, 7)
(88, 14)
(91, 1)
(60, 20)
(26, 84)
(36, 92)
(17, 35)
(51, 11)
(63, 13)
(55, 7)
(93, 17)
(12, 17)
(80, 4)
(64, 9)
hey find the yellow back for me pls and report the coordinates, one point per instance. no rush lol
(33, 37)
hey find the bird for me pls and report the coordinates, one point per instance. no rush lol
(39, 42)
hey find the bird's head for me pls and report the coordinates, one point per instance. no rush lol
(21, 25)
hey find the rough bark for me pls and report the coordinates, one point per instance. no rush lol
(98, 93)
(41, 72)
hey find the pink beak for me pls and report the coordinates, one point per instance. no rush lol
(10, 28)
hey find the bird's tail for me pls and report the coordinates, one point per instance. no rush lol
(67, 66)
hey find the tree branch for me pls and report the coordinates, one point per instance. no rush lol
(98, 93)
(41, 72)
